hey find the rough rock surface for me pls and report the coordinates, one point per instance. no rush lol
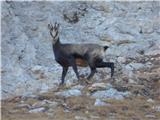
(131, 29)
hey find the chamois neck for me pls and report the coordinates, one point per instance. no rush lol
(57, 43)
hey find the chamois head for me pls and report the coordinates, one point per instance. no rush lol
(54, 32)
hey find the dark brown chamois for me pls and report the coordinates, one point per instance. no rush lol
(78, 55)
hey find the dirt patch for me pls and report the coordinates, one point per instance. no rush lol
(133, 108)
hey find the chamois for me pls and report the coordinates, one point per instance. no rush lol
(77, 55)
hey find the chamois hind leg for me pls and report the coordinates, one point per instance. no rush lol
(92, 67)
(64, 72)
(106, 64)
(93, 71)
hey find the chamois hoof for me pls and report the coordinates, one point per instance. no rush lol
(61, 85)
(88, 82)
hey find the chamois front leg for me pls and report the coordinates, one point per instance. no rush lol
(64, 72)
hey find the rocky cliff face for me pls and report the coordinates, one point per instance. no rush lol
(131, 29)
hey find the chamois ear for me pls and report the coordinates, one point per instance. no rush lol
(50, 27)
(58, 26)
(105, 48)
(55, 25)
